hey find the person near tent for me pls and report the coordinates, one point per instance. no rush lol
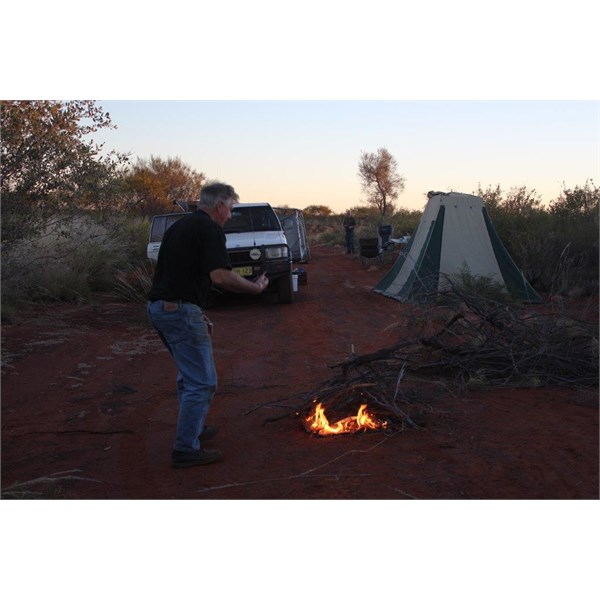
(349, 224)
(192, 257)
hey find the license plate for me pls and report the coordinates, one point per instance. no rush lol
(243, 271)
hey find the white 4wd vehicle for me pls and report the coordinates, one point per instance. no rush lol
(255, 242)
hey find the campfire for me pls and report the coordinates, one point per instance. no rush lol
(316, 422)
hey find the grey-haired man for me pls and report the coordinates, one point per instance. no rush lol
(192, 258)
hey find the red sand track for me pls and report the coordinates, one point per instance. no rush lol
(90, 390)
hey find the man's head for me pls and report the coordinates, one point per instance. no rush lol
(216, 199)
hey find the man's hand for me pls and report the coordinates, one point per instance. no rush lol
(232, 282)
(262, 281)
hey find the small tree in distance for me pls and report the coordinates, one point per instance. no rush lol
(317, 210)
(380, 179)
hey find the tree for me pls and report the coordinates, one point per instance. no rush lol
(405, 221)
(49, 164)
(492, 198)
(522, 202)
(152, 185)
(364, 213)
(575, 226)
(512, 213)
(381, 182)
(317, 210)
(579, 202)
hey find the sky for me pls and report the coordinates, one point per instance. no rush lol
(301, 153)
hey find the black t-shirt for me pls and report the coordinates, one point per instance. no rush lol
(191, 248)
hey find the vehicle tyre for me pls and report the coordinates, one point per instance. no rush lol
(285, 289)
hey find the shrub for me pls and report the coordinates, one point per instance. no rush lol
(481, 287)
(134, 285)
(71, 260)
(556, 248)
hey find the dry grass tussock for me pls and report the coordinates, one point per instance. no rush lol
(71, 260)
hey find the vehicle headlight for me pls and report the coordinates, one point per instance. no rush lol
(276, 252)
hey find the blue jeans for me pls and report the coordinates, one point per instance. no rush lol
(184, 332)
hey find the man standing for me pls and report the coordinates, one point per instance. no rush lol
(192, 257)
(349, 225)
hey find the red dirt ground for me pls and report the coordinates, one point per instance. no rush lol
(88, 392)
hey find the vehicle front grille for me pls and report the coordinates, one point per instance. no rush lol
(242, 257)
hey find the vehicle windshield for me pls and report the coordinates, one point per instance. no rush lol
(245, 219)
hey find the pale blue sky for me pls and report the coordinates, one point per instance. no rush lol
(307, 152)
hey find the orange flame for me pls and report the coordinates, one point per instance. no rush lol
(318, 423)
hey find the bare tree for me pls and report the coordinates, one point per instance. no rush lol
(381, 181)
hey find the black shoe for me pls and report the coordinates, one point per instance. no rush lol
(193, 459)
(208, 433)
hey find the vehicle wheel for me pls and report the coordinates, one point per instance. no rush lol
(285, 289)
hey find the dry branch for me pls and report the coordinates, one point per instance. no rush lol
(23, 489)
(484, 342)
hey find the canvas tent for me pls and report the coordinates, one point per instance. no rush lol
(455, 234)
(292, 222)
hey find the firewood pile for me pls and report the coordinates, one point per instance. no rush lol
(481, 342)
(501, 345)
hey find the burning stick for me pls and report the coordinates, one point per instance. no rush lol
(317, 422)
(367, 402)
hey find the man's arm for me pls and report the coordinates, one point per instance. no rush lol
(232, 282)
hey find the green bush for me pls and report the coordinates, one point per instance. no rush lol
(71, 260)
(555, 247)
(324, 230)
(466, 285)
